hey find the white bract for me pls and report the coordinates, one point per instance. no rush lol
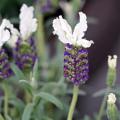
(111, 98)
(65, 34)
(14, 34)
(112, 62)
(4, 33)
(28, 24)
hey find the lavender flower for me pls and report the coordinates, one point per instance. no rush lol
(75, 55)
(5, 70)
(24, 52)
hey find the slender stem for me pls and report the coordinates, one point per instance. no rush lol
(5, 88)
(40, 37)
(101, 111)
(73, 103)
(28, 95)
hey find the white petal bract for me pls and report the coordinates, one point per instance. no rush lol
(85, 43)
(81, 27)
(65, 34)
(28, 24)
(26, 11)
(62, 29)
(4, 32)
(14, 34)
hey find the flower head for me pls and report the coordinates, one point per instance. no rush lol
(111, 98)
(28, 24)
(76, 65)
(112, 62)
(65, 34)
(6, 31)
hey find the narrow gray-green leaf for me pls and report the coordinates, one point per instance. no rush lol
(99, 93)
(18, 104)
(26, 86)
(50, 98)
(1, 117)
(8, 117)
(19, 74)
(27, 112)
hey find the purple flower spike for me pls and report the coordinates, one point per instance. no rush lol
(76, 66)
(25, 54)
(5, 70)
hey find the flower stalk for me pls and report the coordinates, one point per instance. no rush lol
(111, 79)
(5, 88)
(40, 37)
(73, 103)
(102, 108)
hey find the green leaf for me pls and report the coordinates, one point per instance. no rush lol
(18, 104)
(26, 85)
(19, 74)
(54, 88)
(50, 98)
(1, 117)
(75, 5)
(27, 112)
(8, 118)
(99, 93)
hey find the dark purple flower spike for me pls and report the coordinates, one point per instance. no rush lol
(5, 70)
(24, 54)
(76, 64)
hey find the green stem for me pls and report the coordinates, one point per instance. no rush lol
(5, 88)
(102, 108)
(28, 96)
(73, 103)
(40, 36)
